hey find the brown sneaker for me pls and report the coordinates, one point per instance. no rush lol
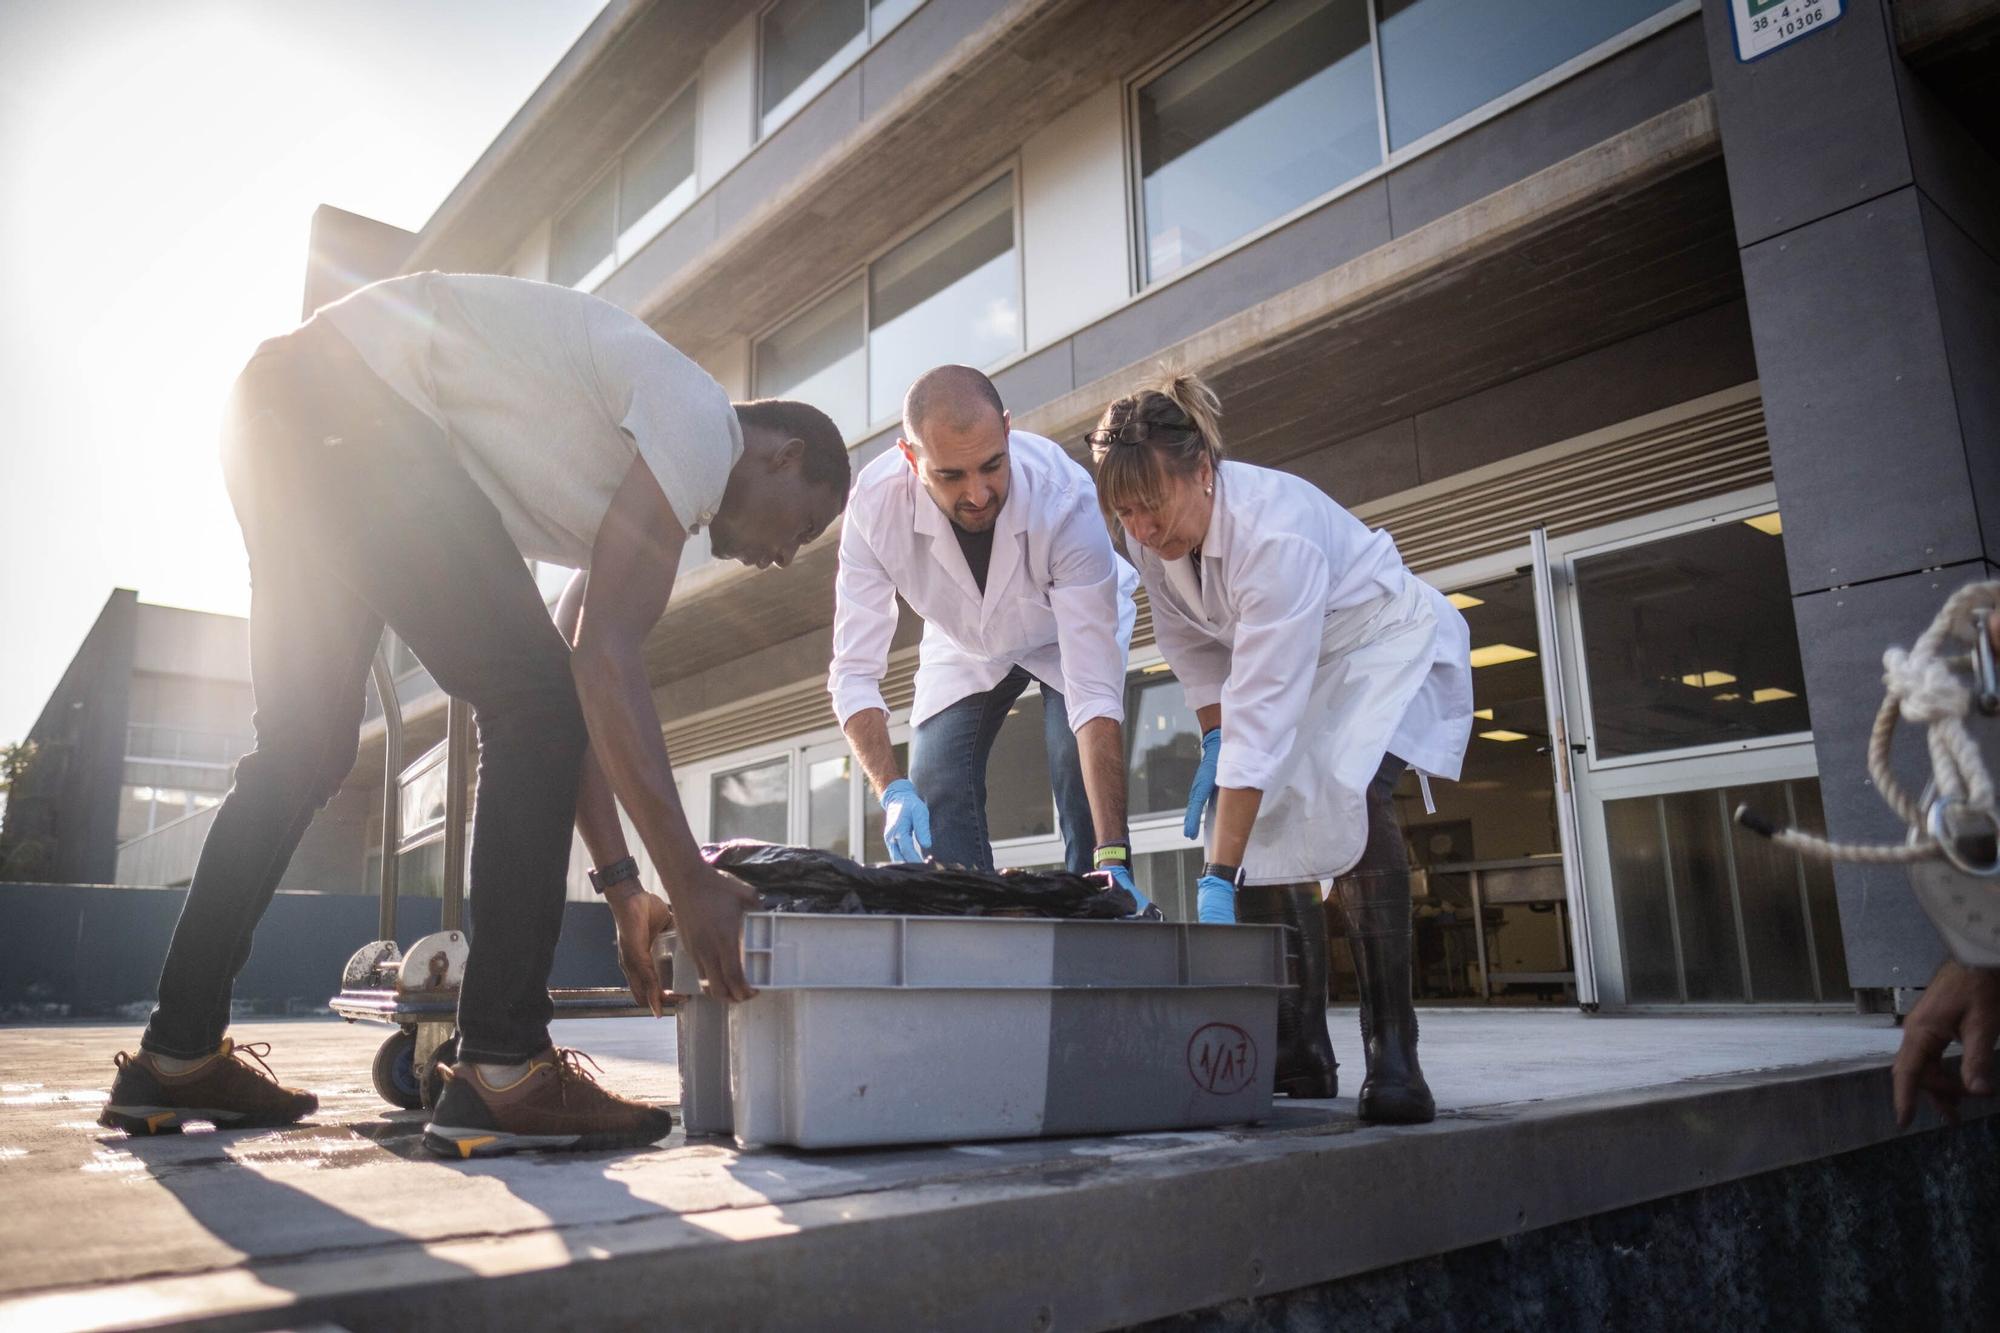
(223, 1090)
(556, 1104)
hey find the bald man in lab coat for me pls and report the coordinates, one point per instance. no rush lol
(994, 537)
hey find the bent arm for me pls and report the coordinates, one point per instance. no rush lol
(868, 736)
(596, 810)
(864, 625)
(632, 566)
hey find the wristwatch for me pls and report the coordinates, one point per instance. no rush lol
(1222, 870)
(607, 877)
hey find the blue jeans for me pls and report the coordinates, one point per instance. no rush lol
(948, 757)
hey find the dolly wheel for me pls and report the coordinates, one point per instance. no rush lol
(447, 1053)
(396, 1072)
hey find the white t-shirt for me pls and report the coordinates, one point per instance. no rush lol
(544, 393)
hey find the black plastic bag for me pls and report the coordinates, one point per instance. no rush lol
(805, 879)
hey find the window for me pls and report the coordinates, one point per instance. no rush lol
(1286, 106)
(656, 178)
(1274, 113)
(649, 185)
(1689, 641)
(1443, 58)
(753, 802)
(583, 248)
(1503, 804)
(950, 293)
(821, 358)
(807, 44)
(1165, 742)
(829, 784)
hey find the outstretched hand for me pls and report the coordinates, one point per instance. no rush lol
(1963, 1004)
(641, 918)
(708, 910)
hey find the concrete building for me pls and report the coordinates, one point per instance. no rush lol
(139, 741)
(139, 737)
(1672, 356)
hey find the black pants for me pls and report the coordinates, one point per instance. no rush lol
(356, 513)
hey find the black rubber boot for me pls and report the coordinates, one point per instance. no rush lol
(1305, 1065)
(1376, 907)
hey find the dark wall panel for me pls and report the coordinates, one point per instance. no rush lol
(919, 44)
(1812, 128)
(1671, 364)
(791, 152)
(1968, 293)
(1366, 467)
(1344, 229)
(1889, 941)
(1034, 380)
(80, 950)
(1860, 400)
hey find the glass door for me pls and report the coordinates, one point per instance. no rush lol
(1683, 698)
(1492, 918)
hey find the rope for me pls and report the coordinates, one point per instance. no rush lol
(1927, 685)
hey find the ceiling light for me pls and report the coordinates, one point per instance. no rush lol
(1731, 697)
(1464, 601)
(1483, 714)
(1769, 524)
(1502, 734)
(1703, 680)
(1770, 694)
(1494, 654)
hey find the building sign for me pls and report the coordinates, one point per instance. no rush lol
(1762, 26)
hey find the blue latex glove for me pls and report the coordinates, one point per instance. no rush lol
(1215, 901)
(906, 828)
(1201, 794)
(1121, 875)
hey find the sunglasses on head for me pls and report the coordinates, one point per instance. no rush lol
(1137, 432)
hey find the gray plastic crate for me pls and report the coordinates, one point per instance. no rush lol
(901, 1029)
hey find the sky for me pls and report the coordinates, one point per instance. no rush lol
(160, 161)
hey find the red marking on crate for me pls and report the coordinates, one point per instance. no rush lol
(1221, 1058)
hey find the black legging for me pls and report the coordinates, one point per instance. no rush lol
(1384, 852)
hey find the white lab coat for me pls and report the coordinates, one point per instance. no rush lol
(1058, 599)
(1325, 653)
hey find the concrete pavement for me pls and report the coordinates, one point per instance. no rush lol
(1546, 1115)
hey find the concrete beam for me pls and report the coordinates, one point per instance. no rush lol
(1931, 29)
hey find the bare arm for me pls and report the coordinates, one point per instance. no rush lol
(596, 811)
(1100, 745)
(633, 563)
(868, 736)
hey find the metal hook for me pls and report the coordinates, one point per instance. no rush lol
(1986, 686)
(1951, 840)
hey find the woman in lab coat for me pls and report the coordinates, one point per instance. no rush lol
(1320, 668)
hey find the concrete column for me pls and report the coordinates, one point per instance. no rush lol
(1868, 220)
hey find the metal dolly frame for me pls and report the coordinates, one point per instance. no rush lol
(417, 992)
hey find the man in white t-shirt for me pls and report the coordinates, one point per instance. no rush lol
(392, 461)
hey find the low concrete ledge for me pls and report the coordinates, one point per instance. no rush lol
(1085, 1233)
